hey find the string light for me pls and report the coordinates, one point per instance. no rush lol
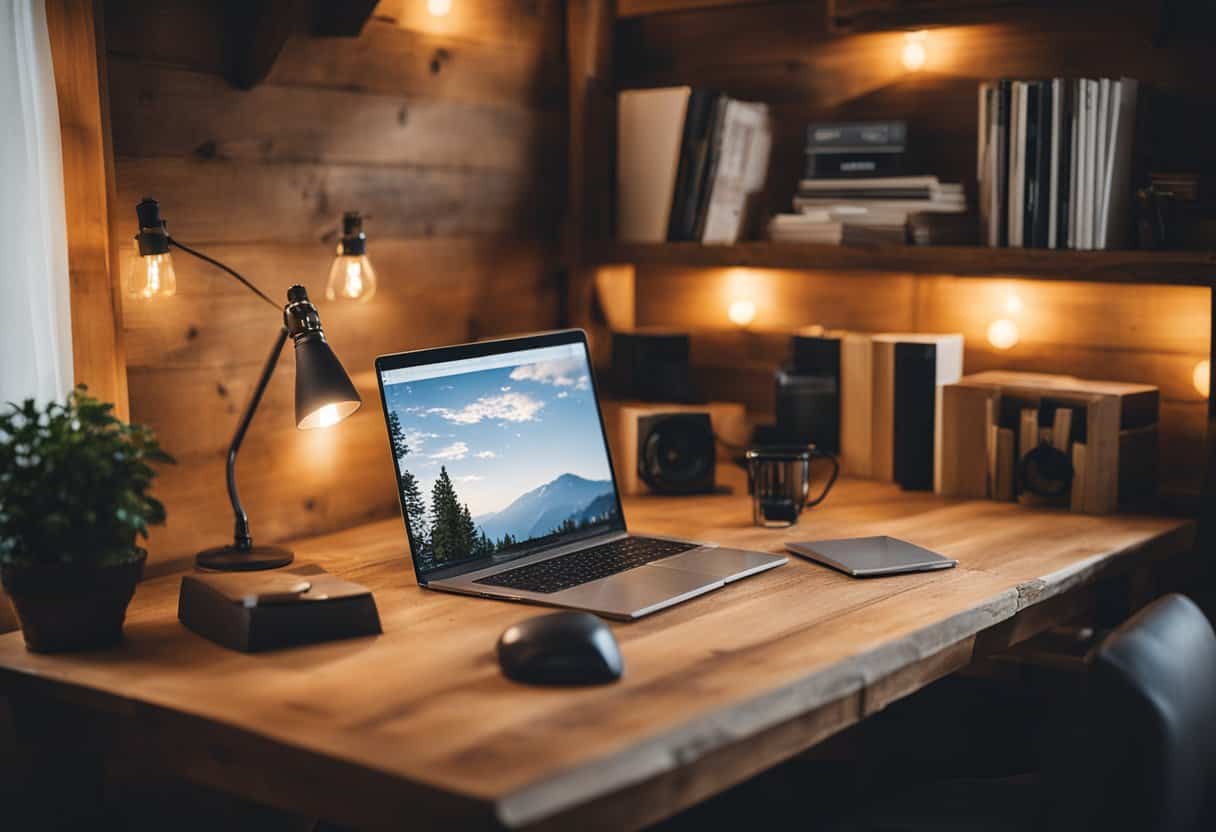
(742, 312)
(914, 53)
(1201, 377)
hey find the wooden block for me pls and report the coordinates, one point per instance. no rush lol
(1061, 429)
(856, 405)
(729, 420)
(1102, 455)
(1006, 465)
(1077, 497)
(964, 454)
(1028, 431)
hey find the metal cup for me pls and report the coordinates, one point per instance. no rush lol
(779, 480)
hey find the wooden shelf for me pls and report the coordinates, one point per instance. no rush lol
(1180, 268)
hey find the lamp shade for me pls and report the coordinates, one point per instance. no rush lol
(324, 392)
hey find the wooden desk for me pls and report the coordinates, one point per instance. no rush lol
(418, 727)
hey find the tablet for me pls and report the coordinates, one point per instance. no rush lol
(870, 557)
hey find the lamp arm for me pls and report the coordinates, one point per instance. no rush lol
(222, 267)
(241, 537)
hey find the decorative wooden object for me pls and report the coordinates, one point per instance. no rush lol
(419, 724)
(88, 173)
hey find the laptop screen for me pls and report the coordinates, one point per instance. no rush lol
(498, 455)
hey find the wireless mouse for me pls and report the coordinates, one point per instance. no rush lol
(563, 648)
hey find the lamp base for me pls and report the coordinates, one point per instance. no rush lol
(232, 559)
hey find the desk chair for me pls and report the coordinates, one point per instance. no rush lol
(1137, 753)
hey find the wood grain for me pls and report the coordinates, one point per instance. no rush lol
(97, 342)
(448, 135)
(714, 690)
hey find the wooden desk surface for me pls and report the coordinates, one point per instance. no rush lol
(419, 723)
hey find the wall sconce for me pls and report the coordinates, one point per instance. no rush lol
(1003, 334)
(741, 312)
(914, 53)
(351, 276)
(1201, 377)
(324, 392)
(439, 8)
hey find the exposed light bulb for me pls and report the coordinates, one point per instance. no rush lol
(152, 276)
(351, 277)
(914, 54)
(742, 312)
(1003, 333)
(439, 8)
(1013, 304)
(1201, 377)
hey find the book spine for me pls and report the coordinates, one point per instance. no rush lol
(1053, 190)
(1001, 199)
(915, 412)
(1030, 193)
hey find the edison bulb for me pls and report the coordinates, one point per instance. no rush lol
(152, 276)
(741, 312)
(328, 416)
(439, 8)
(1201, 377)
(1003, 333)
(351, 277)
(914, 54)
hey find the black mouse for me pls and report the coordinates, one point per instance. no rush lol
(564, 648)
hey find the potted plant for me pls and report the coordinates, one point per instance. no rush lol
(73, 502)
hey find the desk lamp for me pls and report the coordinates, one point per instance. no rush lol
(324, 392)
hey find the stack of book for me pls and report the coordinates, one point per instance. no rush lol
(864, 210)
(1054, 162)
(689, 162)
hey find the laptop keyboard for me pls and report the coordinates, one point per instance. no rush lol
(556, 574)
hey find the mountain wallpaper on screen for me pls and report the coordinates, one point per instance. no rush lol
(491, 459)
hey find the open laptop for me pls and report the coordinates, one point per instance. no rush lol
(507, 489)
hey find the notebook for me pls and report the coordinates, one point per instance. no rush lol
(869, 557)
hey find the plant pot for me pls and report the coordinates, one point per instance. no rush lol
(71, 608)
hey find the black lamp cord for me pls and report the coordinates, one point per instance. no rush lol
(222, 267)
(242, 539)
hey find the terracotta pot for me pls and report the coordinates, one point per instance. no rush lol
(71, 608)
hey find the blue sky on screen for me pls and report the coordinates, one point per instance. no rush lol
(501, 432)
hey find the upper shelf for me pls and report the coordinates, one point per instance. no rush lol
(1180, 268)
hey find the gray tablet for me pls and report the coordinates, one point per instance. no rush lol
(870, 557)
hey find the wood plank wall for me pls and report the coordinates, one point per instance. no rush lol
(449, 134)
(783, 53)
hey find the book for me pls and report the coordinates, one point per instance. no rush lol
(698, 122)
(1030, 164)
(1028, 431)
(1040, 193)
(1017, 163)
(1061, 429)
(650, 131)
(1000, 200)
(1053, 186)
(851, 137)
(1064, 145)
(1089, 159)
(1114, 227)
(739, 173)
(891, 436)
(1074, 169)
(710, 168)
(1102, 143)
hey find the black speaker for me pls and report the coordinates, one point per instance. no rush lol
(651, 366)
(808, 410)
(676, 453)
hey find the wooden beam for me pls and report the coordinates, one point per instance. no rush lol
(97, 346)
(254, 35)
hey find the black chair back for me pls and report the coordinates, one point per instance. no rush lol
(1148, 759)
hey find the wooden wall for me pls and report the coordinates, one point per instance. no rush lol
(449, 134)
(783, 53)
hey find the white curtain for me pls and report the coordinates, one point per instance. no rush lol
(35, 312)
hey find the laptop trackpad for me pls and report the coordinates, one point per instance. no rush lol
(726, 564)
(638, 591)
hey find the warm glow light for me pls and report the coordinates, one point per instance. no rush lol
(914, 54)
(1202, 378)
(152, 277)
(1013, 304)
(1003, 333)
(439, 8)
(742, 312)
(351, 277)
(328, 416)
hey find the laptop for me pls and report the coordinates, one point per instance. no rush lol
(507, 489)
